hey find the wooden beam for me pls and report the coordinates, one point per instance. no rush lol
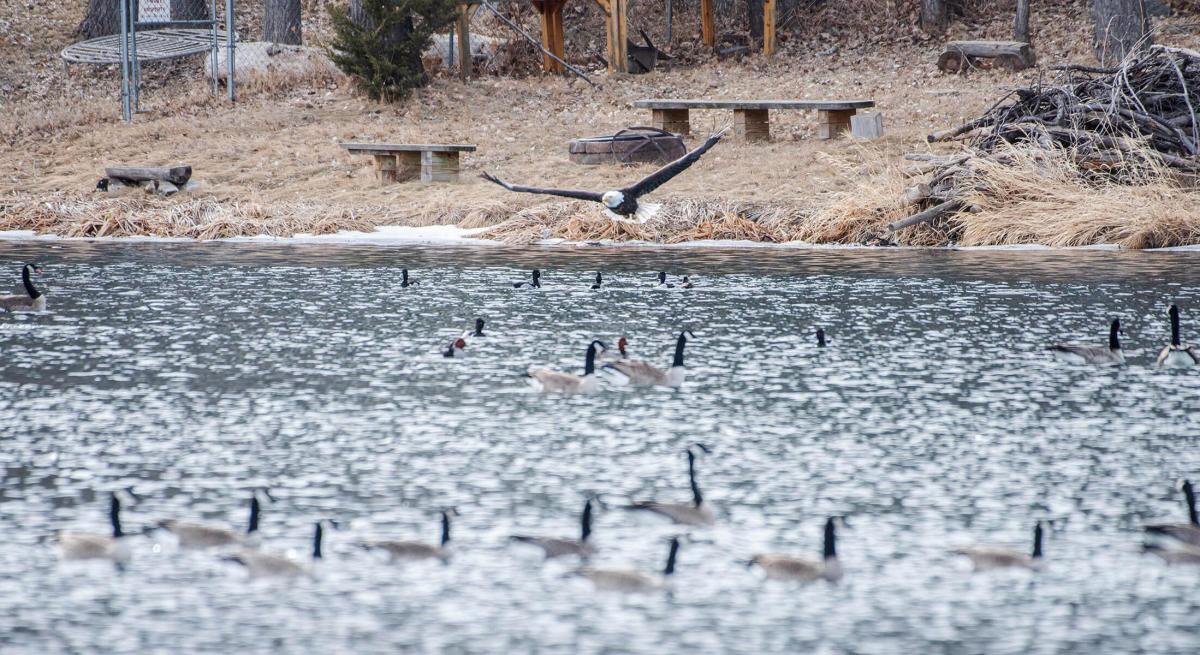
(708, 29)
(557, 41)
(617, 36)
(551, 14)
(768, 28)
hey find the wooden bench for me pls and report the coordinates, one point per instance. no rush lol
(398, 162)
(750, 121)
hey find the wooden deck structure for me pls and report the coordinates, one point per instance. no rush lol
(399, 162)
(751, 122)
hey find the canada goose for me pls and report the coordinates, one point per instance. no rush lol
(535, 284)
(1177, 554)
(628, 580)
(1175, 354)
(662, 280)
(404, 281)
(262, 564)
(989, 557)
(694, 513)
(415, 550)
(1079, 354)
(33, 300)
(687, 284)
(799, 569)
(479, 328)
(555, 381)
(599, 281)
(1188, 533)
(557, 546)
(92, 545)
(820, 338)
(455, 347)
(644, 373)
(200, 535)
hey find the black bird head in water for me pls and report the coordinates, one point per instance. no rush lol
(478, 328)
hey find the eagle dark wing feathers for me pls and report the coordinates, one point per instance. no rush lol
(662, 175)
(565, 193)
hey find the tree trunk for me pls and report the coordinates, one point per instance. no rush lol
(934, 15)
(1021, 22)
(281, 22)
(103, 16)
(1121, 26)
(754, 19)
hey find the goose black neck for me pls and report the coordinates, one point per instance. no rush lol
(1037, 540)
(587, 521)
(1190, 496)
(253, 526)
(537, 278)
(696, 497)
(478, 327)
(671, 556)
(445, 528)
(318, 534)
(404, 277)
(589, 360)
(29, 288)
(1114, 342)
(679, 344)
(1175, 341)
(662, 277)
(114, 516)
(820, 338)
(830, 548)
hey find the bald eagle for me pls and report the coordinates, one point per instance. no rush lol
(623, 202)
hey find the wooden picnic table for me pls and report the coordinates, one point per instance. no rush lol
(398, 162)
(750, 117)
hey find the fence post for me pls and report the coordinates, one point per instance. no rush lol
(215, 51)
(229, 36)
(126, 113)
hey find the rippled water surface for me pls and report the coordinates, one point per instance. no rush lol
(195, 372)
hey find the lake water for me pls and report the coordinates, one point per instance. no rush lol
(194, 372)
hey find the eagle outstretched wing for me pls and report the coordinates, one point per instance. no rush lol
(565, 193)
(662, 175)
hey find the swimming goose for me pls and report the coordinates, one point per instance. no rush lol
(662, 280)
(1079, 354)
(201, 535)
(989, 557)
(558, 546)
(820, 338)
(644, 373)
(599, 281)
(687, 284)
(455, 347)
(479, 328)
(1188, 533)
(415, 550)
(1175, 354)
(694, 513)
(262, 564)
(1177, 554)
(555, 381)
(91, 545)
(799, 569)
(33, 300)
(628, 580)
(535, 284)
(404, 281)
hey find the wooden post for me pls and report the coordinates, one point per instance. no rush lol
(618, 37)
(751, 125)
(1021, 22)
(832, 122)
(552, 33)
(768, 28)
(708, 29)
(439, 166)
(465, 62)
(671, 120)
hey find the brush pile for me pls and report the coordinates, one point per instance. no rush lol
(1121, 125)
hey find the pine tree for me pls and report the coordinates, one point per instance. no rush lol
(379, 43)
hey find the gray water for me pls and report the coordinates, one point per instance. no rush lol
(195, 372)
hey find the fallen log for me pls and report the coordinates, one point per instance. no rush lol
(177, 175)
(928, 215)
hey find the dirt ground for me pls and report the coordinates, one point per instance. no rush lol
(279, 148)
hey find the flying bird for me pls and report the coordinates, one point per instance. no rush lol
(623, 202)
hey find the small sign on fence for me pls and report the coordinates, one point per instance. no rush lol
(154, 11)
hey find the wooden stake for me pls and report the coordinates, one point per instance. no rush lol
(768, 27)
(618, 35)
(708, 29)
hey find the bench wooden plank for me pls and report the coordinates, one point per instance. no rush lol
(827, 105)
(371, 148)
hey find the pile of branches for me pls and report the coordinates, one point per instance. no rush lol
(1112, 121)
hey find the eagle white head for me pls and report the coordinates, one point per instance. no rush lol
(612, 199)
